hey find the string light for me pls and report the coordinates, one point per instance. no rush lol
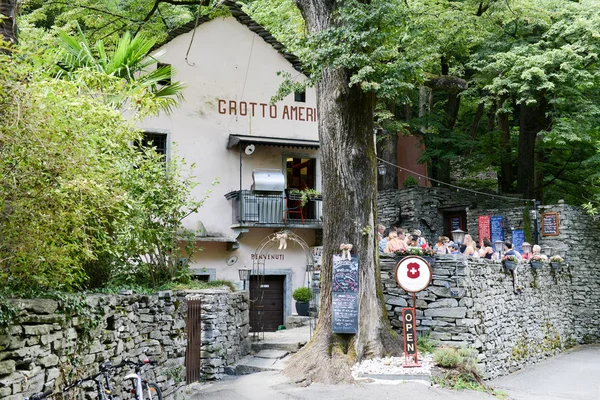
(458, 188)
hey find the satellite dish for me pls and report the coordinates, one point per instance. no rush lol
(232, 260)
(249, 149)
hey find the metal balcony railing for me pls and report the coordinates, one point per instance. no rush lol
(250, 208)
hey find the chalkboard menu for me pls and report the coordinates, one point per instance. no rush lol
(344, 306)
(496, 227)
(483, 228)
(518, 237)
(550, 224)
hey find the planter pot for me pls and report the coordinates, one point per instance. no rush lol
(537, 264)
(302, 308)
(510, 265)
(555, 265)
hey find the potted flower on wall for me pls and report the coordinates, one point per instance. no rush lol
(538, 260)
(556, 261)
(510, 262)
(302, 295)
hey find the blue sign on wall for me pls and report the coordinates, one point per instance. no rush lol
(497, 231)
(518, 237)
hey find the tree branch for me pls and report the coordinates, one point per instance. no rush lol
(446, 83)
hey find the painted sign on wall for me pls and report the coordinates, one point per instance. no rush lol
(265, 110)
(496, 227)
(344, 296)
(483, 228)
(518, 238)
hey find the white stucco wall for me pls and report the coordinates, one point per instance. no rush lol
(227, 62)
(229, 68)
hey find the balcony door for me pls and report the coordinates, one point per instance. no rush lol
(301, 173)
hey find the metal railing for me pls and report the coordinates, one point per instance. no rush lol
(250, 208)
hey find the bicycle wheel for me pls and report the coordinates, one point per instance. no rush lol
(152, 391)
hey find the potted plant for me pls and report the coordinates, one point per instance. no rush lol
(302, 295)
(510, 262)
(556, 261)
(304, 195)
(538, 260)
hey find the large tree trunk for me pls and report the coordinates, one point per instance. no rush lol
(506, 168)
(532, 121)
(8, 20)
(349, 207)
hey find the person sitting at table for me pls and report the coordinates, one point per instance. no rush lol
(510, 251)
(486, 250)
(394, 243)
(471, 252)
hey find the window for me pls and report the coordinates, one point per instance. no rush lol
(301, 173)
(166, 81)
(156, 140)
(300, 97)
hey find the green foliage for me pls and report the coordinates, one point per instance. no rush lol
(410, 181)
(79, 205)
(128, 62)
(302, 294)
(462, 369)
(447, 357)
(7, 313)
(425, 344)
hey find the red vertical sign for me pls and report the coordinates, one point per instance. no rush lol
(483, 228)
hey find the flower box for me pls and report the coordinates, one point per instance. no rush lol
(510, 265)
(536, 264)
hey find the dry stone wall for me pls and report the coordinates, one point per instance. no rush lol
(472, 302)
(476, 303)
(53, 342)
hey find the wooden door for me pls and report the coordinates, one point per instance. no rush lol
(266, 302)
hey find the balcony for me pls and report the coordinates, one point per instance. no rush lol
(274, 210)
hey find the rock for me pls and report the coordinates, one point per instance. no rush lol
(7, 367)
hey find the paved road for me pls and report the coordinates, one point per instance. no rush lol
(574, 375)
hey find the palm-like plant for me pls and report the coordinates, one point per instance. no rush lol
(129, 61)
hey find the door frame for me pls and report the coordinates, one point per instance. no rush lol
(287, 289)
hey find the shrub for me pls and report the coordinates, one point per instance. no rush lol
(302, 294)
(447, 357)
(410, 182)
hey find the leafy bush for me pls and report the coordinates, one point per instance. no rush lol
(302, 294)
(410, 182)
(79, 205)
(425, 344)
(447, 357)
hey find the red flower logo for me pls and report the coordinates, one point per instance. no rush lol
(413, 270)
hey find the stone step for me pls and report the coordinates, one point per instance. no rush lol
(271, 354)
(291, 347)
(252, 364)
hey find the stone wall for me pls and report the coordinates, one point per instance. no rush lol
(473, 302)
(423, 208)
(225, 328)
(53, 342)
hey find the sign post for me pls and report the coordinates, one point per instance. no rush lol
(412, 274)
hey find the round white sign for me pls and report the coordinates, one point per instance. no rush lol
(413, 274)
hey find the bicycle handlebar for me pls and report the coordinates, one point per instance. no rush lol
(80, 381)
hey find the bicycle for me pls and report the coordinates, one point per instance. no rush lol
(142, 388)
(103, 389)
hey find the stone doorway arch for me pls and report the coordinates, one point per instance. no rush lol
(259, 272)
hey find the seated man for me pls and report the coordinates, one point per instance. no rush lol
(509, 251)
